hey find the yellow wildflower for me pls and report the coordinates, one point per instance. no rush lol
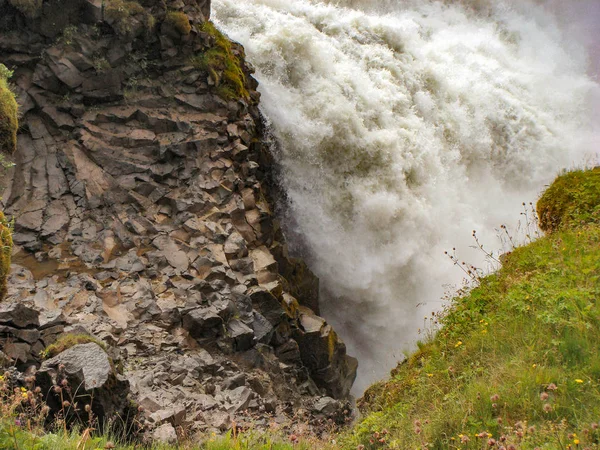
(23, 389)
(534, 366)
(458, 344)
(576, 441)
(578, 381)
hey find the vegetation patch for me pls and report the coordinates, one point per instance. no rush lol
(179, 20)
(8, 113)
(516, 362)
(572, 200)
(67, 341)
(30, 8)
(119, 13)
(224, 67)
(6, 245)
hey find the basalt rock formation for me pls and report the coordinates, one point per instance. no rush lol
(143, 216)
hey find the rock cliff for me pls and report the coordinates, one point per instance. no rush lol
(142, 214)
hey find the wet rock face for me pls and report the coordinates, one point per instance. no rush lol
(142, 215)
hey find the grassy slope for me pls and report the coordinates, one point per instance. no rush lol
(493, 366)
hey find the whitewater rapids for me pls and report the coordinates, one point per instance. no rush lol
(402, 127)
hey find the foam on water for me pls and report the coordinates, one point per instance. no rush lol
(404, 125)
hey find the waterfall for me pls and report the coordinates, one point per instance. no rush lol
(402, 127)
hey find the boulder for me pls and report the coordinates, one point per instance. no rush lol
(324, 354)
(165, 434)
(90, 378)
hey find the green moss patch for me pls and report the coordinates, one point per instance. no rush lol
(572, 200)
(8, 114)
(223, 65)
(119, 12)
(67, 341)
(180, 21)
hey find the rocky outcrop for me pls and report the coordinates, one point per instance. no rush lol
(25, 333)
(142, 215)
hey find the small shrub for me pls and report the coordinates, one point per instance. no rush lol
(30, 8)
(223, 65)
(70, 340)
(101, 64)
(8, 113)
(68, 34)
(6, 244)
(179, 20)
(572, 200)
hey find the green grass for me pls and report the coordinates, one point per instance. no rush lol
(501, 350)
(13, 437)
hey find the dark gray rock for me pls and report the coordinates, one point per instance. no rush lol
(240, 398)
(242, 335)
(233, 382)
(202, 322)
(18, 315)
(326, 406)
(263, 330)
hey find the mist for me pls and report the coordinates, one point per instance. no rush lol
(402, 127)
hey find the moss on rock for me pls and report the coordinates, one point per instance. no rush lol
(223, 65)
(572, 200)
(67, 341)
(6, 244)
(179, 20)
(30, 8)
(119, 13)
(8, 114)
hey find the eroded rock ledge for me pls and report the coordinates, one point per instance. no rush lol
(142, 215)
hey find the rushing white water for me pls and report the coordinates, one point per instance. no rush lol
(403, 126)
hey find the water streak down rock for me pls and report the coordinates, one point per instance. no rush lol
(142, 214)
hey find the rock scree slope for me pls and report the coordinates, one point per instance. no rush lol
(142, 216)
